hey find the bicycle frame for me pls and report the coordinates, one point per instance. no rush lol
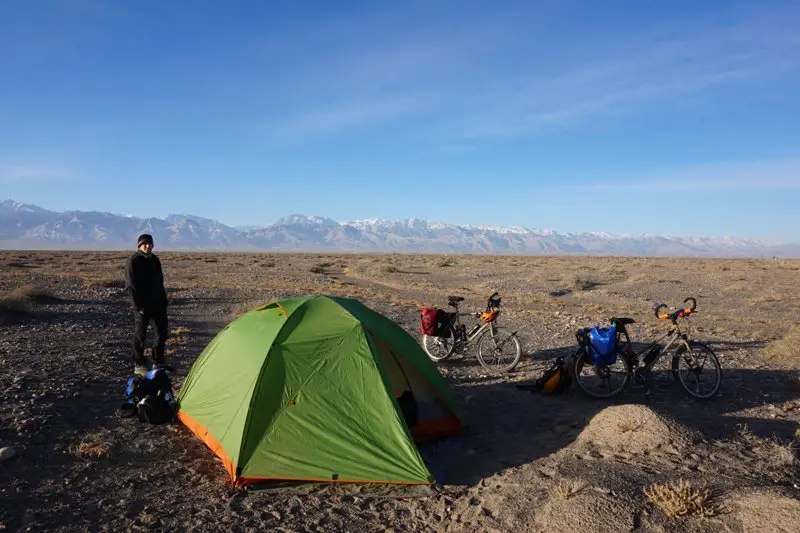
(674, 335)
(462, 341)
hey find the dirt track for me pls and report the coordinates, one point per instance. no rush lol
(530, 462)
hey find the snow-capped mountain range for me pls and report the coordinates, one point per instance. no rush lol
(32, 227)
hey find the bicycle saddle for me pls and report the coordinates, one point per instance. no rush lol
(623, 321)
(455, 299)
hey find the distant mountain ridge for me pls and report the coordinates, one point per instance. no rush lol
(30, 226)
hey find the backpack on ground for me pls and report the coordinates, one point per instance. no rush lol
(150, 398)
(555, 379)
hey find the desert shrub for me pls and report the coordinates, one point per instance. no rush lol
(567, 488)
(583, 283)
(389, 269)
(19, 300)
(109, 282)
(778, 459)
(682, 498)
(93, 446)
(786, 350)
(444, 262)
(317, 269)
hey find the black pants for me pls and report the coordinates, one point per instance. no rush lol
(141, 322)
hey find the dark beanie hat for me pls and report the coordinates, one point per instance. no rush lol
(143, 238)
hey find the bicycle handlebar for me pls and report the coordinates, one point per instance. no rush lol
(680, 313)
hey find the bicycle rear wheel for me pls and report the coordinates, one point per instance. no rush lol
(698, 370)
(600, 381)
(498, 350)
(439, 348)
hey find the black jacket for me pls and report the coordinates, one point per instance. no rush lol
(144, 281)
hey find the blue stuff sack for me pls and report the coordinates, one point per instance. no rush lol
(150, 398)
(603, 345)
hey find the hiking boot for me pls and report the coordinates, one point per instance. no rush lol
(140, 370)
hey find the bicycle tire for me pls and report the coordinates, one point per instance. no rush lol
(507, 368)
(695, 347)
(451, 338)
(579, 360)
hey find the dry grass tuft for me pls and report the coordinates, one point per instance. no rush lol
(444, 262)
(785, 350)
(317, 269)
(682, 499)
(177, 340)
(94, 446)
(778, 458)
(582, 283)
(147, 519)
(389, 269)
(19, 300)
(109, 282)
(566, 489)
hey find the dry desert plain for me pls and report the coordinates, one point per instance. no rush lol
(530, 462)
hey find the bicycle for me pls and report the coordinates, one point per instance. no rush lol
(453, 337)
(639, 364)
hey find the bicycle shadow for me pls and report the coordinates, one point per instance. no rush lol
(509, 427)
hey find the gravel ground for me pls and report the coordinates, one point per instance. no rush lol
(529, 462)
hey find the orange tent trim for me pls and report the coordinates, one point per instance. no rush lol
(209, 440)
(242, 481)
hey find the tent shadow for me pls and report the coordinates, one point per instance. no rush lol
(509, 427)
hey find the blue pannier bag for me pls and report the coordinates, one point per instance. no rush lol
(603, 345)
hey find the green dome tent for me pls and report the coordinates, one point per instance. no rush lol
(319, 389)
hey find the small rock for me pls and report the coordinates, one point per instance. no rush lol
(7, 453)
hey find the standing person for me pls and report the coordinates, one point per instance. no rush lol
(144, 281)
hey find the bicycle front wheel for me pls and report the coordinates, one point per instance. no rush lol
(439, 348)
(498, 350)
(698, 370)
(600, 381)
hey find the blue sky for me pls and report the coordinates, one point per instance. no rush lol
(674, 117)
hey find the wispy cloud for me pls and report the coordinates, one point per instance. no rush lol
(647, 74)
(744, 176)
(346, 115)
(476, 80)
(27, 173)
